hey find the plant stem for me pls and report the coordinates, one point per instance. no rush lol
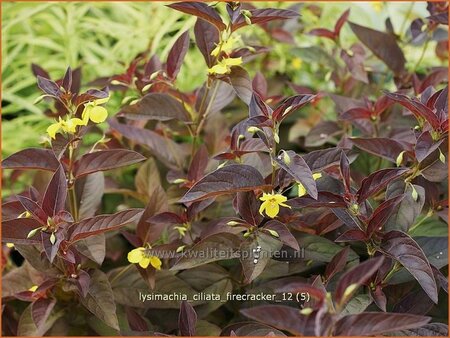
(405, 20)
(72, 192)
(394, 269)
(120, 273)
(203, 116)
(424, 49)
(428, 215)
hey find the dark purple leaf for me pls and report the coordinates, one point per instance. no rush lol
(99, 224)
(290, 105)
(324, 199)
(201, 10)
(38, 70)
(337, 263)
(187, 320)
(263, 15)
(105, 160)
(351, 235)
(420, 111)
(408, 209)
(164, 148)
(322, 32)
(48, 86)
(248, 206)
(51, 249)
(405, 250)
(177, 54)
(428, 330)
(341, 21)
(384, 147)
(283, 233)
(198, 164)
(54, 199)
(356, 276)
(67, 80)
(135, 320)
(378, 181)
(16, 231)
(156, 106)
(258, 107)
(383, 45)
(344, 166)
(206, 38)
(198, 254)
(319, 160)
(40, 311)
(257, 252)
(382, 214)
(377, 323)
(240, 80)
(282, 317)
(226, 180)
(295, 166)
(32, 158)
(425, 145)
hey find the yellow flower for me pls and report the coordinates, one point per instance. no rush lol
(10, 245)
(225, 46)
(140, 257)
(377, 6)
(297, 63)
(224, 66)
(94, 112)
(33, 288)
(301, 188)
(68, 126)
(271, 204)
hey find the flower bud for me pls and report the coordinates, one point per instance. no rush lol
(232, 223)
(253, 130)
(286, 158)
(399, 159)
(414, 193)
(276, 137)
(306, 311)
(33, 232)
(441, 156)
(52, 238)
(273, 233)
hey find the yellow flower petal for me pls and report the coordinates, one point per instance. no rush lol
(86, 113)
(285, 205)
(71, 125)
(301, 190)
(316, 176)
(280, 198)
(98, 114)
(53, 129)
(297, 63)
(265, 197)
(101, 101)
(136, 255)
(262, 207)
(272, 209)
(232, 61)
(218, 69)
(155, 262)
(216, 50)
(144, 262)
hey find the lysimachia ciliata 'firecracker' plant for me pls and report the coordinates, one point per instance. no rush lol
(362, 198)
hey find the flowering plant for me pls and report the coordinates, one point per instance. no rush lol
(340, 222)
